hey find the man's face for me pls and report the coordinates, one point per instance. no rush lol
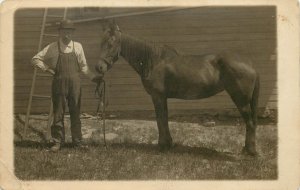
(66, 35)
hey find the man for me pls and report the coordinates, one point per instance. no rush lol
(65, 59)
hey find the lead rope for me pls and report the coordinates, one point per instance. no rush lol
(100, 93)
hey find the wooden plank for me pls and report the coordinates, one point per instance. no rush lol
(201, 30)
(135, 107)
(210, 38)
(213, 10)
(212, 101)
(128, 23)
(259, 61)
(136, 101)
(269, 71)
(265, 72)
(94, 31)
(234, 17)
(29, 28)
(121, 81)
(200, 104)
(263, 56)
(136, 24)
(91, 42)
(116, 93)
(29, 12)
(92, 52)
(31, 42)
(89, 94)
(213, 20)
(35, 12)
(125, 70)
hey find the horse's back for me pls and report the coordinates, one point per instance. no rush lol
(191, 77)
(201, 76)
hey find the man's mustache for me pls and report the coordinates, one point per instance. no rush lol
(67, 36)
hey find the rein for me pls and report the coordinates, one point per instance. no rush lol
(100, 94)
(110, 63)
(105, 61)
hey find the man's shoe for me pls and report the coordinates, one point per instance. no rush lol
(55, 147)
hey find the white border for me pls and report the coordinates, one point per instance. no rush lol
(288, 96)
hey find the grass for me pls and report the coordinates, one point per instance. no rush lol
(214, 153)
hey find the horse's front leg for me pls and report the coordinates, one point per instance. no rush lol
(161, 110)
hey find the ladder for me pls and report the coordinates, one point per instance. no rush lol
(37, 73)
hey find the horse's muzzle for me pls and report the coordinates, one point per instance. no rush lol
(101, 67)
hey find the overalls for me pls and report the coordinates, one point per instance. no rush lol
(66, 88)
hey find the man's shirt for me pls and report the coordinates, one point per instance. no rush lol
(47, 58)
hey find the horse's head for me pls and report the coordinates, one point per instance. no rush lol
(110, 46)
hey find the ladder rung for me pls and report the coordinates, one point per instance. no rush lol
(51, 35)
(52, 24)
(39, 118)
(43, 75)
(41, 96)
(55, 16)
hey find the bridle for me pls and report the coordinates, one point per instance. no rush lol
(100, 92)
(110, 62)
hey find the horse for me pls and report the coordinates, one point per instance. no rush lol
(165, 73)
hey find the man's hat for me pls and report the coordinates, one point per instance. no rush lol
(66, 24)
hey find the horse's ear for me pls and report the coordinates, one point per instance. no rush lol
(109, 26)
(112, 24)
(105, 25)
(113, 21)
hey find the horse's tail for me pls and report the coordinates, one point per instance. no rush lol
(254, 100)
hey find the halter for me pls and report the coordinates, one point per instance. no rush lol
(112, 61)
(109, 63)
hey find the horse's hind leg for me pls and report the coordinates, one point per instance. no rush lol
(246, 112)
(254, 100)
(244, 106)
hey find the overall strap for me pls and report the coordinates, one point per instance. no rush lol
(58, 46)
(73, 48)
(73, 51)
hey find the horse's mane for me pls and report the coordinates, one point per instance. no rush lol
(144, 52)
(139, 49)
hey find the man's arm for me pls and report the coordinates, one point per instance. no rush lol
(39, 60)
(82, 62)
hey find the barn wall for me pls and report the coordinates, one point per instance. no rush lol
(250, 31)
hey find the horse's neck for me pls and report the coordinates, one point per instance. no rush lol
(137, 53)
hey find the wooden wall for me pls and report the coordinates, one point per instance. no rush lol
(247, 30)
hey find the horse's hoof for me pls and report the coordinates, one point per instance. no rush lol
(249, 152)
(164, 147)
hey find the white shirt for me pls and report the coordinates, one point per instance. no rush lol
(47, 58)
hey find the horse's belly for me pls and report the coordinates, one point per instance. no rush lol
(193, 91)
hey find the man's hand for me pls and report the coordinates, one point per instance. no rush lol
(50, 71)
(97, 79)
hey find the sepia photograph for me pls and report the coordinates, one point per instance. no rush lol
(151, 93)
